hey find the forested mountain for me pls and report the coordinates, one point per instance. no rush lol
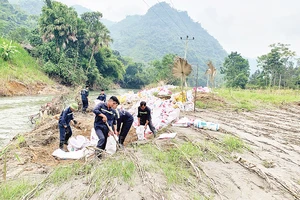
(11, 18)
(31, 7)
(158, 33)
(34, 7)
(108, 23)
(80, 9)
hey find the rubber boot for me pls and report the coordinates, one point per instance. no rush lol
(121, 141)
(98, 153)
(61, 145)
(68, 135)
(154, 134)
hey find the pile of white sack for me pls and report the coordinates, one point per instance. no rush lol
(163, 113)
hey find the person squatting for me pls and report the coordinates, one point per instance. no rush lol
(144, 117)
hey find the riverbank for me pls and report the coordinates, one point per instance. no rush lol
(248, 158)
(17, 88)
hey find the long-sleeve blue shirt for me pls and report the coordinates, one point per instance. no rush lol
(84, 94)
(102, 97)
(65, 117)
(110, 113)
(124, 117)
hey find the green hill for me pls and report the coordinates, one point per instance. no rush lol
(12, 18)
(80, 9)
(31, 7)
(21, 68)
(158, 32)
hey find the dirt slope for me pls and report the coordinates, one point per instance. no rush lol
(268, 168)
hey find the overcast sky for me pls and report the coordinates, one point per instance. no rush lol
(245, 26)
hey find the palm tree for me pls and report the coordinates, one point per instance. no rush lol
(105, 37)
(58, 22)
(97, 33)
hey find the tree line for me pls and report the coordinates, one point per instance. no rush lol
(75, 50)
(278, 69)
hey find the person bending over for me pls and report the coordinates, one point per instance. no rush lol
(105, 114)
(65, 131)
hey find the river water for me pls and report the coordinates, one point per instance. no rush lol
(15, 112)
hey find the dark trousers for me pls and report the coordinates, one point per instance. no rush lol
(124, 131)
(102, 133)
(152, 128)
(64, 133)
(85, 105)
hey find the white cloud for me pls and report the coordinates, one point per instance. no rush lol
(248, 26)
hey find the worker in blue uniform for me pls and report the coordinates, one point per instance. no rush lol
(84, 98)
(102, 96)
(65, 131)
(105, 114)
(125, 119)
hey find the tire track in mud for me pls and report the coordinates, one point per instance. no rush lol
(233, 180)
(292, 109)
(277, 143)
(283, 131)
(245, 122)
(274, 144)
(277, 114)
(274, 121)
(268, 142)
(239, 127)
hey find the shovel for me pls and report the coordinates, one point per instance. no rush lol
(110, 129)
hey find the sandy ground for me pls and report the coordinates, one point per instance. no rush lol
(16, 88)
(271, 135)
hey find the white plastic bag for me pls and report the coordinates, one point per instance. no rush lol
(140, 132)
(76, 143)
(111, 145)
(94, 138)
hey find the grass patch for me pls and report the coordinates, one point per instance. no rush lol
(15, 189)
(65, 173)
(209, 104)
(172, 161)
(210, 151)
(21, 141)
(232, 143)
(21, 67)
(119, 167)
(268, 164)
(245, 105)
(110, 168)
(251, 99)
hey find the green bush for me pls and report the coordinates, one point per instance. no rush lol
(7, 50)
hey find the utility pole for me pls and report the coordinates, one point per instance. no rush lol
(186, 44)
(185, 50)
(196, 90)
